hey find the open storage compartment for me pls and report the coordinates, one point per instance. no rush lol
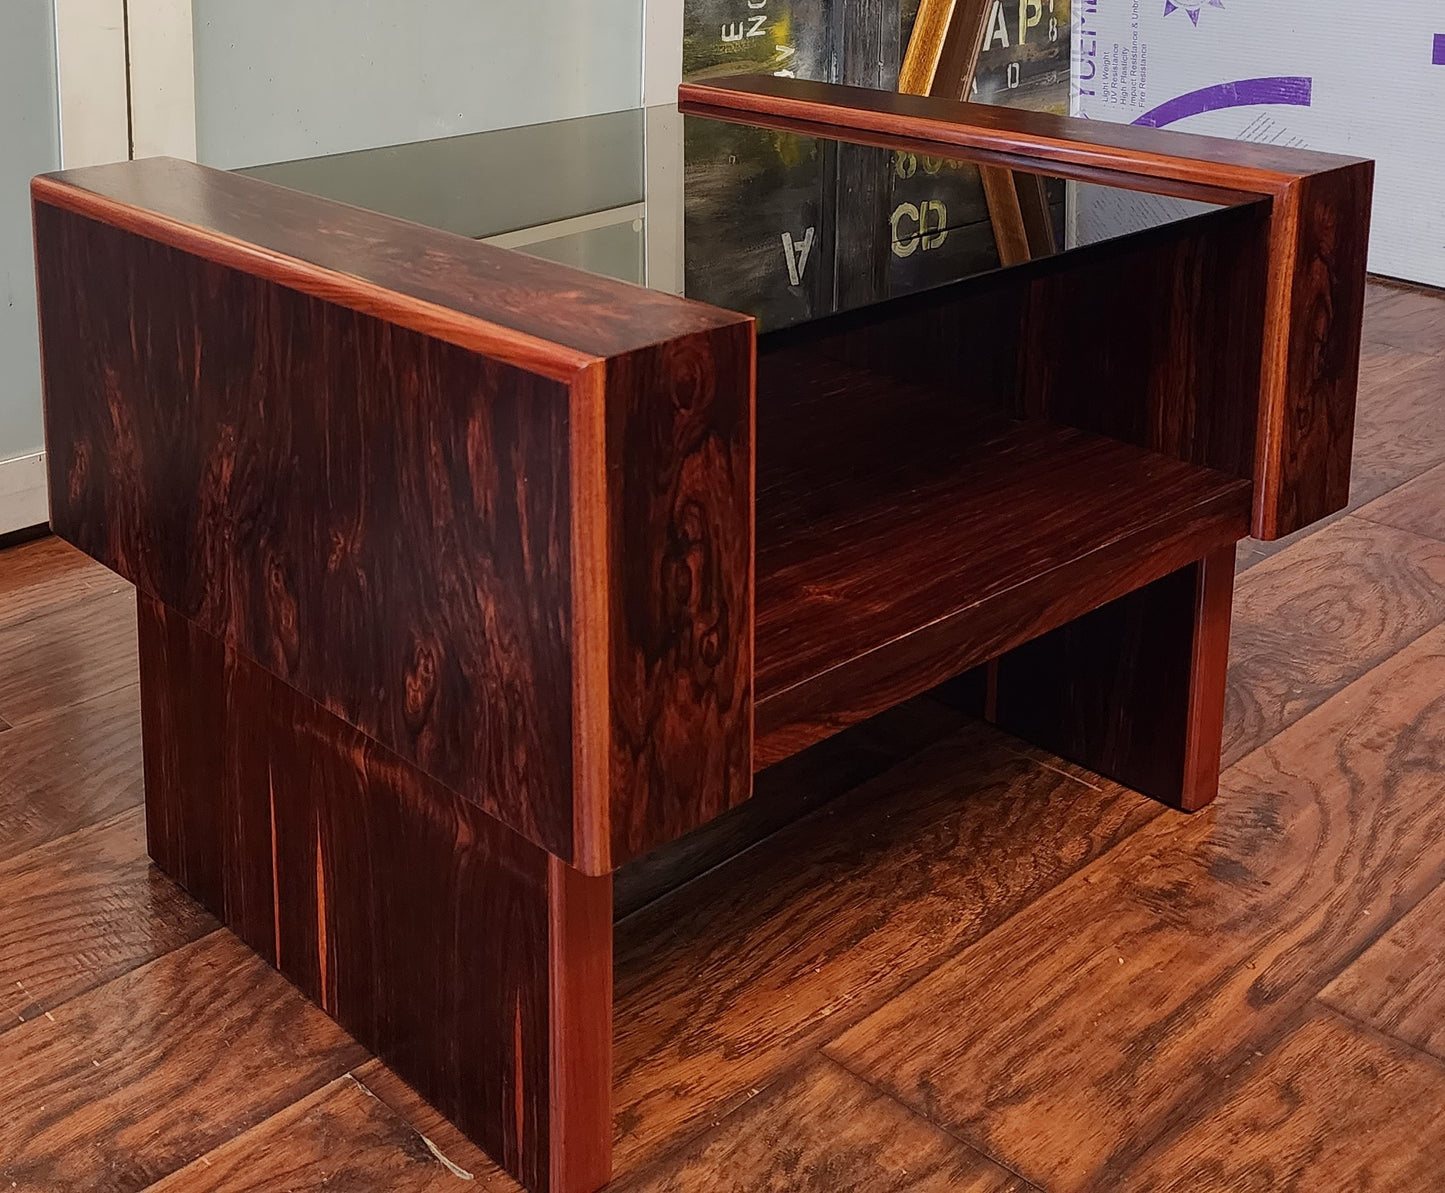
(946, 476)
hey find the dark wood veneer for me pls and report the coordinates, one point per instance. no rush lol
(949, 549)
(451, 561)
(510, 306)
(1319, 233)
(463, 955)
(201, 477)
(277, 468)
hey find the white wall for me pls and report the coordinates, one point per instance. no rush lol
(282, 79)
(29, 144)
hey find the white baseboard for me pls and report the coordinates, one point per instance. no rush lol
(24, 501)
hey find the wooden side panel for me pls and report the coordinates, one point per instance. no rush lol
(680, 513)
(379, 518)
(1321, 239)
(1135, 689)
(1317, 247)
(457, 951)
(1156, 341)
(547, 317)
(1170, 362)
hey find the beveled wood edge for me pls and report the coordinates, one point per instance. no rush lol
(1274, 363)
(591, 629)
(1271, 521)
(1061, 145)
(584, 375)
(1209, 666)
(556, 362)
(579, 1029)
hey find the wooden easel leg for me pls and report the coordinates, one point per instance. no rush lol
(1134, 690)
(470, 960)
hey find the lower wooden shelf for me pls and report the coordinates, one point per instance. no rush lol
(937, 536)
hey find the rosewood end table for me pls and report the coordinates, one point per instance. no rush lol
(466, 576)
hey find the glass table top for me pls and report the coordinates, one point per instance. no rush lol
(784, 226)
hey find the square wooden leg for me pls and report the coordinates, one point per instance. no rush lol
(469, 959)
(1134, 690)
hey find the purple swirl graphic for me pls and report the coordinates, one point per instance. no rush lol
(1244, 93)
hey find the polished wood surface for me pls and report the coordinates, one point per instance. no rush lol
(462, 579)
(873, 588)
(517, 309)
(1009, 136)
(393, 456)
(1135, 690)
(1318, 237)
(910, 527)
(482, 664)
(465, 956)
(1320, 859)
(679, 587)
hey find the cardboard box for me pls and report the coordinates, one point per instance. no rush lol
(1334, 75)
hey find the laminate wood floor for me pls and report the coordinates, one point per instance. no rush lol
(971, 967)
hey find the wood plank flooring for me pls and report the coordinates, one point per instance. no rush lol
(971, 967)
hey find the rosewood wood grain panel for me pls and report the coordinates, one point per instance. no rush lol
(83, 910)
(379, 518)
(90, 1092)
(460, 953)
(904, 536)
(1190, 948)
(1320, 237)
(1399, 437)
(679, 454)
(428, 542)
(1012, 136)
(1320, 211)
(1171, 360)
(1133, 690)
(822, 1130)
(1170, 363)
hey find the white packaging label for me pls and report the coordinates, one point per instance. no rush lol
(1342, 76)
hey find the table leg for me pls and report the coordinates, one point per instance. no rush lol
(473, 962)
(1134, 690)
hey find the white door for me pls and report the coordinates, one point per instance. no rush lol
(232, 84)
